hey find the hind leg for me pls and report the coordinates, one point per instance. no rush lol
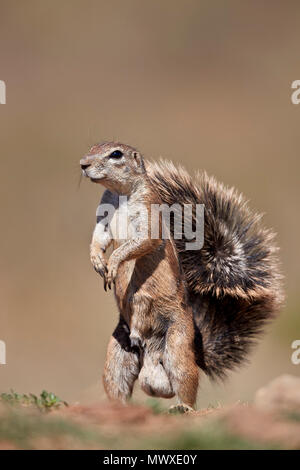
(121, 366)
(179, 362)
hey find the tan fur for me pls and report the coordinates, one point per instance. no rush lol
(154, 339)
(179, 308)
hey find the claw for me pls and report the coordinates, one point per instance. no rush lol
(105, 284)
(181, 408)
(98, 271)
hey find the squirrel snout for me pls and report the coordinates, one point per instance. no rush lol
(84, 166)
(86, 161)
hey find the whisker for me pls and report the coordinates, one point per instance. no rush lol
(79, 182)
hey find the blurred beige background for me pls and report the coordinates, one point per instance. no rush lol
(205, 83)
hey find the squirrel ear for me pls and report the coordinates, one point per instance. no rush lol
(139, 161)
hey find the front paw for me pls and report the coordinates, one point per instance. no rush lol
(99, 264)
(112, 272)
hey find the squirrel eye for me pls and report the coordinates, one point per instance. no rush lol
(116, 154)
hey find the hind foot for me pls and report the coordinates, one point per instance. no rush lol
(180, 409)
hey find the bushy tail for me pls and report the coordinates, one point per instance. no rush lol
(233, 282)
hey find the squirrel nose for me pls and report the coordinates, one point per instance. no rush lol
(84, 167)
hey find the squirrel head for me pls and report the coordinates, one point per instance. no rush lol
(116, 166)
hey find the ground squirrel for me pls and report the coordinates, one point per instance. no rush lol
(180, 310)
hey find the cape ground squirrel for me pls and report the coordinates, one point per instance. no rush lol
(180, 309)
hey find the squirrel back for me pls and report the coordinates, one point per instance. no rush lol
(233, 281)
